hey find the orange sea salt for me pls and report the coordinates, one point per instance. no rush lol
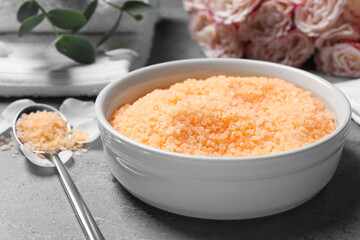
(226, 116)
(47, 131)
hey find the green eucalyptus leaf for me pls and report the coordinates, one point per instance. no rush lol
(111, 31)
(67, 19)
(138, 17)
(89, 11)
(26, 10)
(29, 23)
(77, 48)
(113, 5)
(134, 7)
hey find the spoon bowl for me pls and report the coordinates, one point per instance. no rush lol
(32, 109)
(83, 214)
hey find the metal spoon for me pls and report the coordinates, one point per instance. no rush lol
(82, 212)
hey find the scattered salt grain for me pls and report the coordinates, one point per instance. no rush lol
(5, 148)
(63, 148)
(15, 153)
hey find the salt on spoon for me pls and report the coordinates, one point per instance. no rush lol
(84, 216)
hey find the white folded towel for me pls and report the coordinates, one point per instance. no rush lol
(351, 89)
(27, 70)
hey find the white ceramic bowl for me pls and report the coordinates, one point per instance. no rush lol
(228, 187)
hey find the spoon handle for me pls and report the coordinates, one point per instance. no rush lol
(84, 216)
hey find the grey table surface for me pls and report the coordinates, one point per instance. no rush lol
(33, 204)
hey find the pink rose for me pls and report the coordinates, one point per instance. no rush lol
(232, 11)
(352, 13)
(297, 2)
(343, 32)
(293, 49)
(314, 17)
(217, 40)
(342, 59)
(272, 19)
(195, 5)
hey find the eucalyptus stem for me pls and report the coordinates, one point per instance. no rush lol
(111, 31)
(111, 4)
(48, 18)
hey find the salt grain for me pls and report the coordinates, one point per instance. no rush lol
(5, 148)
(47, 131)
(63, 148)
(253, 115)
(15, 153)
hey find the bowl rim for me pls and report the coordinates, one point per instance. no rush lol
(171, 155)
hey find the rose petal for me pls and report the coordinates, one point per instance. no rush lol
(81, 114)
(342, 59)
(10, 112)
(89, 125)
(297, 2)
(63, 155)
(232, 11)
(293, 49)
(271, 20)
(314, 17)
(76, 110)
(193, 6)
(344, 32)
(216, 40)
(352, 13)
